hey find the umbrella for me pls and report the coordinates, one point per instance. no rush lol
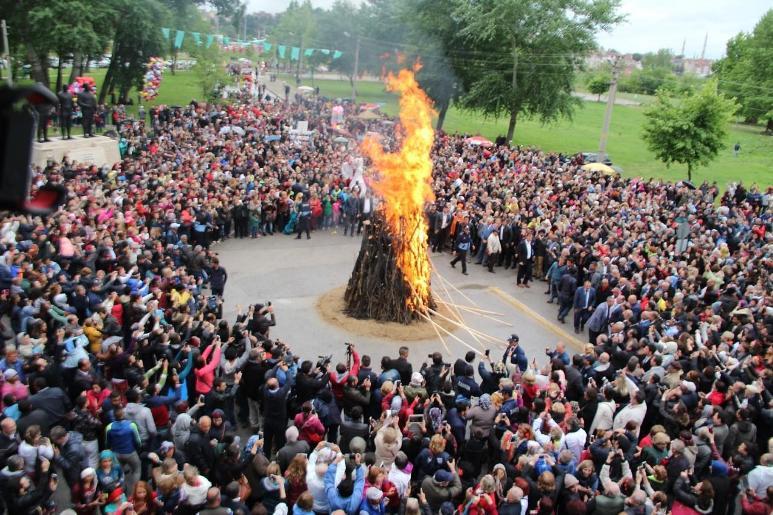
(305, 90)
(232, 128)
(689, 184)
(272, 137)
(369, 106)
(479, 141)
(341, 139)
(387, 122)
(368, 115)
(599, 167)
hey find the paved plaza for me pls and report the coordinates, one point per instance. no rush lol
(294, 274)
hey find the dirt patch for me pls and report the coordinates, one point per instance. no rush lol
(330, 307)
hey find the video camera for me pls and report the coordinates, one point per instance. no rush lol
(17, 130)
(323, 361)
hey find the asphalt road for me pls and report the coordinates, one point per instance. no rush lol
(293, 274)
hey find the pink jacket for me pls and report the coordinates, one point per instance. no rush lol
(205, 375)
(18, 389)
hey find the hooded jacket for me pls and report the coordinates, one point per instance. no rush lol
(437, 493)
(348, 504)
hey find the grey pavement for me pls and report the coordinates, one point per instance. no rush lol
(293, 274)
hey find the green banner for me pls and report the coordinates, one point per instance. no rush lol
(295, 53)
(324, 51)
(196, 38)
(210, 40)
(267, 46)
(281, 49)
(337, 54)
(226, 40)
(178, 38)
(165, 31)
(308, 52)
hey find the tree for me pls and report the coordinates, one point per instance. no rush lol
(691, 130)
(598, 85)
(435, 33)
(137, 37)
(42, 28)
(210, 73)
(523, 54)
(297, 25)
(746, 73)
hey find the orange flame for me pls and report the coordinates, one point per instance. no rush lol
(404, 183)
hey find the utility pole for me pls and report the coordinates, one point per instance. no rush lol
(298, 70)
(356, 66)
(7, 53)
(608, 114)
(705, 42)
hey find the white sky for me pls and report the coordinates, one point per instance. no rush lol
(652, 24)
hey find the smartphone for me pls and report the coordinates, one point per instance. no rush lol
(488, 351)
(416, 418)
(388, 413)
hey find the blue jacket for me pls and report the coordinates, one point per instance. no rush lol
(579, 297)
(368, 509)
(349, 504)
(122, 437)
(467, 387)
(517, 357)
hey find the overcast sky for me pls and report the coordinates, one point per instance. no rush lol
(652, 24)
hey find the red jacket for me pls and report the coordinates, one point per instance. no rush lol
(310, 428)
(337, 381)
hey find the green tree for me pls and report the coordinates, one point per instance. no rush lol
(210, 73)
(746, 72)
(598, 85)
(435, 31)
(297, 26)
(137, 37)
(691, 130)
(42, 28)
(525, 53)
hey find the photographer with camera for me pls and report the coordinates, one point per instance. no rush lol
(342, 372)
(260, 319)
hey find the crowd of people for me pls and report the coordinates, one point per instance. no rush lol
(123, 386)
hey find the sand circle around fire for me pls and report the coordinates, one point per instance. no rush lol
(330, 307)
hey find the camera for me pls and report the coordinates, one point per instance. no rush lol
(323, 361)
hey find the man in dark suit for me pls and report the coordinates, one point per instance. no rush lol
(50, 399)
(506, 241)
(65, 112)
(566, 288)
(584, 302)
(442, 225)
(525, 261)
(402, 365)
(88, 106)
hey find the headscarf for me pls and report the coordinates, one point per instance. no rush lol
(485, 402)
(181, 430)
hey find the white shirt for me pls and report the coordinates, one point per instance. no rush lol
(631, 413)
(604, 417)
(760, 478)
(575, 442)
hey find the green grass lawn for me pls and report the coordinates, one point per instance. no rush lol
(581, 134)
(177, 89)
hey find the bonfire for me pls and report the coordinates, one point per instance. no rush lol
(391, 278)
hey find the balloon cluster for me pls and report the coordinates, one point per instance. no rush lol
(152, 78)
(77, 86)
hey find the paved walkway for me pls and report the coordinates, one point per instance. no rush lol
(293, 274)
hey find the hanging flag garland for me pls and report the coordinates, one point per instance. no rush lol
(261, 45)
(152, 78)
